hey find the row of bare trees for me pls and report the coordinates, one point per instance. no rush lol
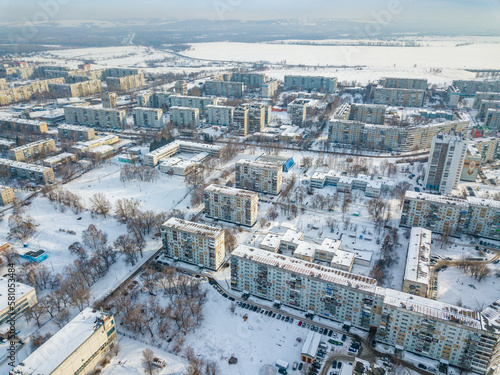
(140, 173)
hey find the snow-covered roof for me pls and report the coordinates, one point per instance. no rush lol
(231, 191)
(330, 245)
(56, 158)
(418, 258)
(305, 249)
(25, 166)
(310, 347)
(292, 236)
(73, 127)
(270, 241)
(21, 291)
(258, 164)
(436, 198)
(306, 268)
(483, 202)
(343, 259)
(430, 307)
(52, 353)
(32, 144)
(192, 227)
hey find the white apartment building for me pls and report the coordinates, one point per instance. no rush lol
(192, 102)
(399, 97)
(220, 115)
(75, 132)
(32, 150)
(445, 164)
(297, 112)
(241, 120)
(310, 83)
(259, 176)
(404, 83)
(231, 204)
(95, 116)
(185, 117)
(417, 271)
(223, 88)
(76, 348)
(256, 118)
(470, 87)
(199, 244)
(148, 117)
(269, 89)
(492, 119)
(368, 113)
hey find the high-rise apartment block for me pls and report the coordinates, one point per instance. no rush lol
(310, 83)
(446, 161)
(269, 89)
(95, 116)
(80, 89)
(195, 243)
(185, 117)
(231, 204)
(75, 132)
(109, 100)
(470, 87)
(404, 83)
(241, 120)
(369, 113)
(256, 118)
(148, 117)
(297, 112)
(492, 119)
(399, 97)
(259, 176)
(251, 80)
(220, 115)
(27, 92)
(32, 150)
(223, 88)
(192, 102)
(125, 83)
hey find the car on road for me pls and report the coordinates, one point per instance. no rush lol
(279, 316)
(287, 319)
(300, 323)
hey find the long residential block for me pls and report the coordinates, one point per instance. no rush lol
(32, 150)
(95, 116)
(32, 172)
(75, 132)
(25, 126)
(399, 97)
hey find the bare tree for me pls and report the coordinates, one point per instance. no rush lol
(100, 205)
(147, 361)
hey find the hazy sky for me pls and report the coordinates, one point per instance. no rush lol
(484, 13)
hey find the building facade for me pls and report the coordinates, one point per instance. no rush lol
(445, 164)
(220, 115)
(404, 83)
(311, 83)
(230, 204)
(185, 117)
(223, 88)
(195, 243)
(32, 172)
(95, 116)
(25, 298)
(7, 196)
(32, 150)
(241, 120)
(75, 132)
(369, 113)
(148, 117)
(80, 89)
(297, 112)
(259, 176)
(125, 83)
(20, 125)
(399, 97)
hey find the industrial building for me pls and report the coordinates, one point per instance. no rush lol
(231, 204)
(194, 243)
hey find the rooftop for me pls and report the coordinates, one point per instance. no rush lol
(192, 227)
(32, 144)
(25, 166)
(56, 158)
(271, 240)
(258, 163)
(21, 291)
(311, 344)
(62, 344)
(305, 249)
(418, 258)
(231, 191)
(305, 268)
(436, 198)
(292, 236)
(73, 127)
(343, 258)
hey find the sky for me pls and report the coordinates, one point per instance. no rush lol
(483, 13)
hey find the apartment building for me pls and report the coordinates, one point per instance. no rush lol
(446, 161)
(155, 100)
(486, 147)
(17, 72)
(487, 105)
(480, 96)
(223, 88)
(241, 120)
(259, 176)
(95, 116)
(3, 84)
(109, 100)
(181, 87)
(199, 244)
(311, 83)
(220, 115)
(256, 118)
(483, 218)
(7, 196)
(125, 83)
(185, 117)
(80, 148)
(251, 80)
(75, 132)
(76, 348)
(192, 102)
(417, 271)
(404, 83)
(80, 89)
(391, 138)
(297, 112)
(472, 164)
(369, 113)
(148, 117)
(27, 92)
(443, 332)
(440, 214)
(470, 87)
(32, 172)
(25, 297)
(32, 150)
(492, 119)
(58, 160)
(231, 204)
(20, 125)
(270, 88)
(120, 72)
(153, 158)
(399, 97)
